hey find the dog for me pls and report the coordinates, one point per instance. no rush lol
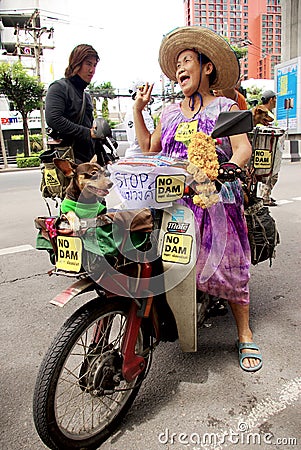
(89, 184)
(261, 116)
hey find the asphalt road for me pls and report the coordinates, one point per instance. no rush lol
(187, 400)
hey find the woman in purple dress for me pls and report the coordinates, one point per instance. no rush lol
(200, 61)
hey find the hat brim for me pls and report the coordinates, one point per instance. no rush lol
(207, 42)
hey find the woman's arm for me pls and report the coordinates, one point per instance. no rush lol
(148, 142)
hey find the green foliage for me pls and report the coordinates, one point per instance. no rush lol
(23, 90)
(105, 109)
(36, 141)
(105, 90)
(156, 119)
(28, 161)
(240, 51)
(253, 93)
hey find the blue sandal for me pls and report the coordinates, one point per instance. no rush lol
(242, 356)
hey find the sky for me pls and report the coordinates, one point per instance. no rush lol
(126, 35)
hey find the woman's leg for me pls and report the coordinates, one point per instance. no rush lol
(241, 315)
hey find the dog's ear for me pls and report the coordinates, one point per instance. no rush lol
(67, 167)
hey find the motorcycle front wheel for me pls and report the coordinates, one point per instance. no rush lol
(80, 394)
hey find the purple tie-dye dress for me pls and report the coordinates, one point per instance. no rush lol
(223, 261)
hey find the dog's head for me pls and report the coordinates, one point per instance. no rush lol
(88, 180)
(261, 115)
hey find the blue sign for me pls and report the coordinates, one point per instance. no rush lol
(287, 95)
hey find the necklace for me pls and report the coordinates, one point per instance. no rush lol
(192, 102)
(199, 109)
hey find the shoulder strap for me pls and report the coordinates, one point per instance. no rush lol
(82, 110)
(80, 116)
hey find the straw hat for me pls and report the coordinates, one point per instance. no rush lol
(205, 41)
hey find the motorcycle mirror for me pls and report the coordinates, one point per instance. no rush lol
(102, 128)
(233, 122)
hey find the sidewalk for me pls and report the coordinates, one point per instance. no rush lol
(14, 168)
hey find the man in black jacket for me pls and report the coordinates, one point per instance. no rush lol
(69, 109)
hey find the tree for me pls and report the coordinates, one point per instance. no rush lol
(106, 91)
(241, 52)
(254, 95)
(24, 91)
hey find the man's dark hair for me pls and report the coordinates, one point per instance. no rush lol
(77, 57)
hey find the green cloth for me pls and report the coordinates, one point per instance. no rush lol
(102, 241)
(106, 240)
(82, 210)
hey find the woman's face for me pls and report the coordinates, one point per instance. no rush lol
(87, 69)
(188, 72)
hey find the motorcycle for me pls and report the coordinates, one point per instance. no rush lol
(97, 362)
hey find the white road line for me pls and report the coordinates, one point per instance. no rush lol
(259, 414)
(284, 202)
(19, 248)
(297, 198)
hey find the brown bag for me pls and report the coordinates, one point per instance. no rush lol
(133, 219)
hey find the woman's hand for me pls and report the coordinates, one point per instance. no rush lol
(143, 96)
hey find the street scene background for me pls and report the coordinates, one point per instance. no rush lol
(187, 399)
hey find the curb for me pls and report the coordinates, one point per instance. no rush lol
(17, 169)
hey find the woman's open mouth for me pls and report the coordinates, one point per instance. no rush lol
(184, 79)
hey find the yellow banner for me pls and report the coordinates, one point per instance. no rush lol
(51, 178)
(262, 159)
(185, 130)
(177, 248)
(169, 188)
(69, 253)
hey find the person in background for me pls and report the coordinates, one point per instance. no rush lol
(235, 95)
(268, 99)
(69, 109)
(134, 149)
(201, 61)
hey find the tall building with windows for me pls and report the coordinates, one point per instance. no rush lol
(252, 23)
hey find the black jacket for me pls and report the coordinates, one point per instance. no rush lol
(62, 110)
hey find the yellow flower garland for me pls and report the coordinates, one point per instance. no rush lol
(203, 165)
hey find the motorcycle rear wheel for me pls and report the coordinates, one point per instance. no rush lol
(80, 395)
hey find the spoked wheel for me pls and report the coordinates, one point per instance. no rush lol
(80, 395)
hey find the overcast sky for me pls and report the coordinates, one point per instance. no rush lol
(126, 34)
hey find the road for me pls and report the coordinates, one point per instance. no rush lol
(187, 399)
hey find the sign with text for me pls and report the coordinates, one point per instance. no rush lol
(145, 186)
(177, 248)
(169, 188)
(262, 159)
(69, 253)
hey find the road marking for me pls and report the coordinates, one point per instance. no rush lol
(283, 202)
(261, 412)
(297, 198)
(18, 249)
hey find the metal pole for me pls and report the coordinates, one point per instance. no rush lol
(3, 148)
(37, 48)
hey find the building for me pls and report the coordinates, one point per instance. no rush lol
(255, 24)
(288, 76)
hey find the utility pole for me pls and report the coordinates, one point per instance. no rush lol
(3, 148)
(36, 32)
